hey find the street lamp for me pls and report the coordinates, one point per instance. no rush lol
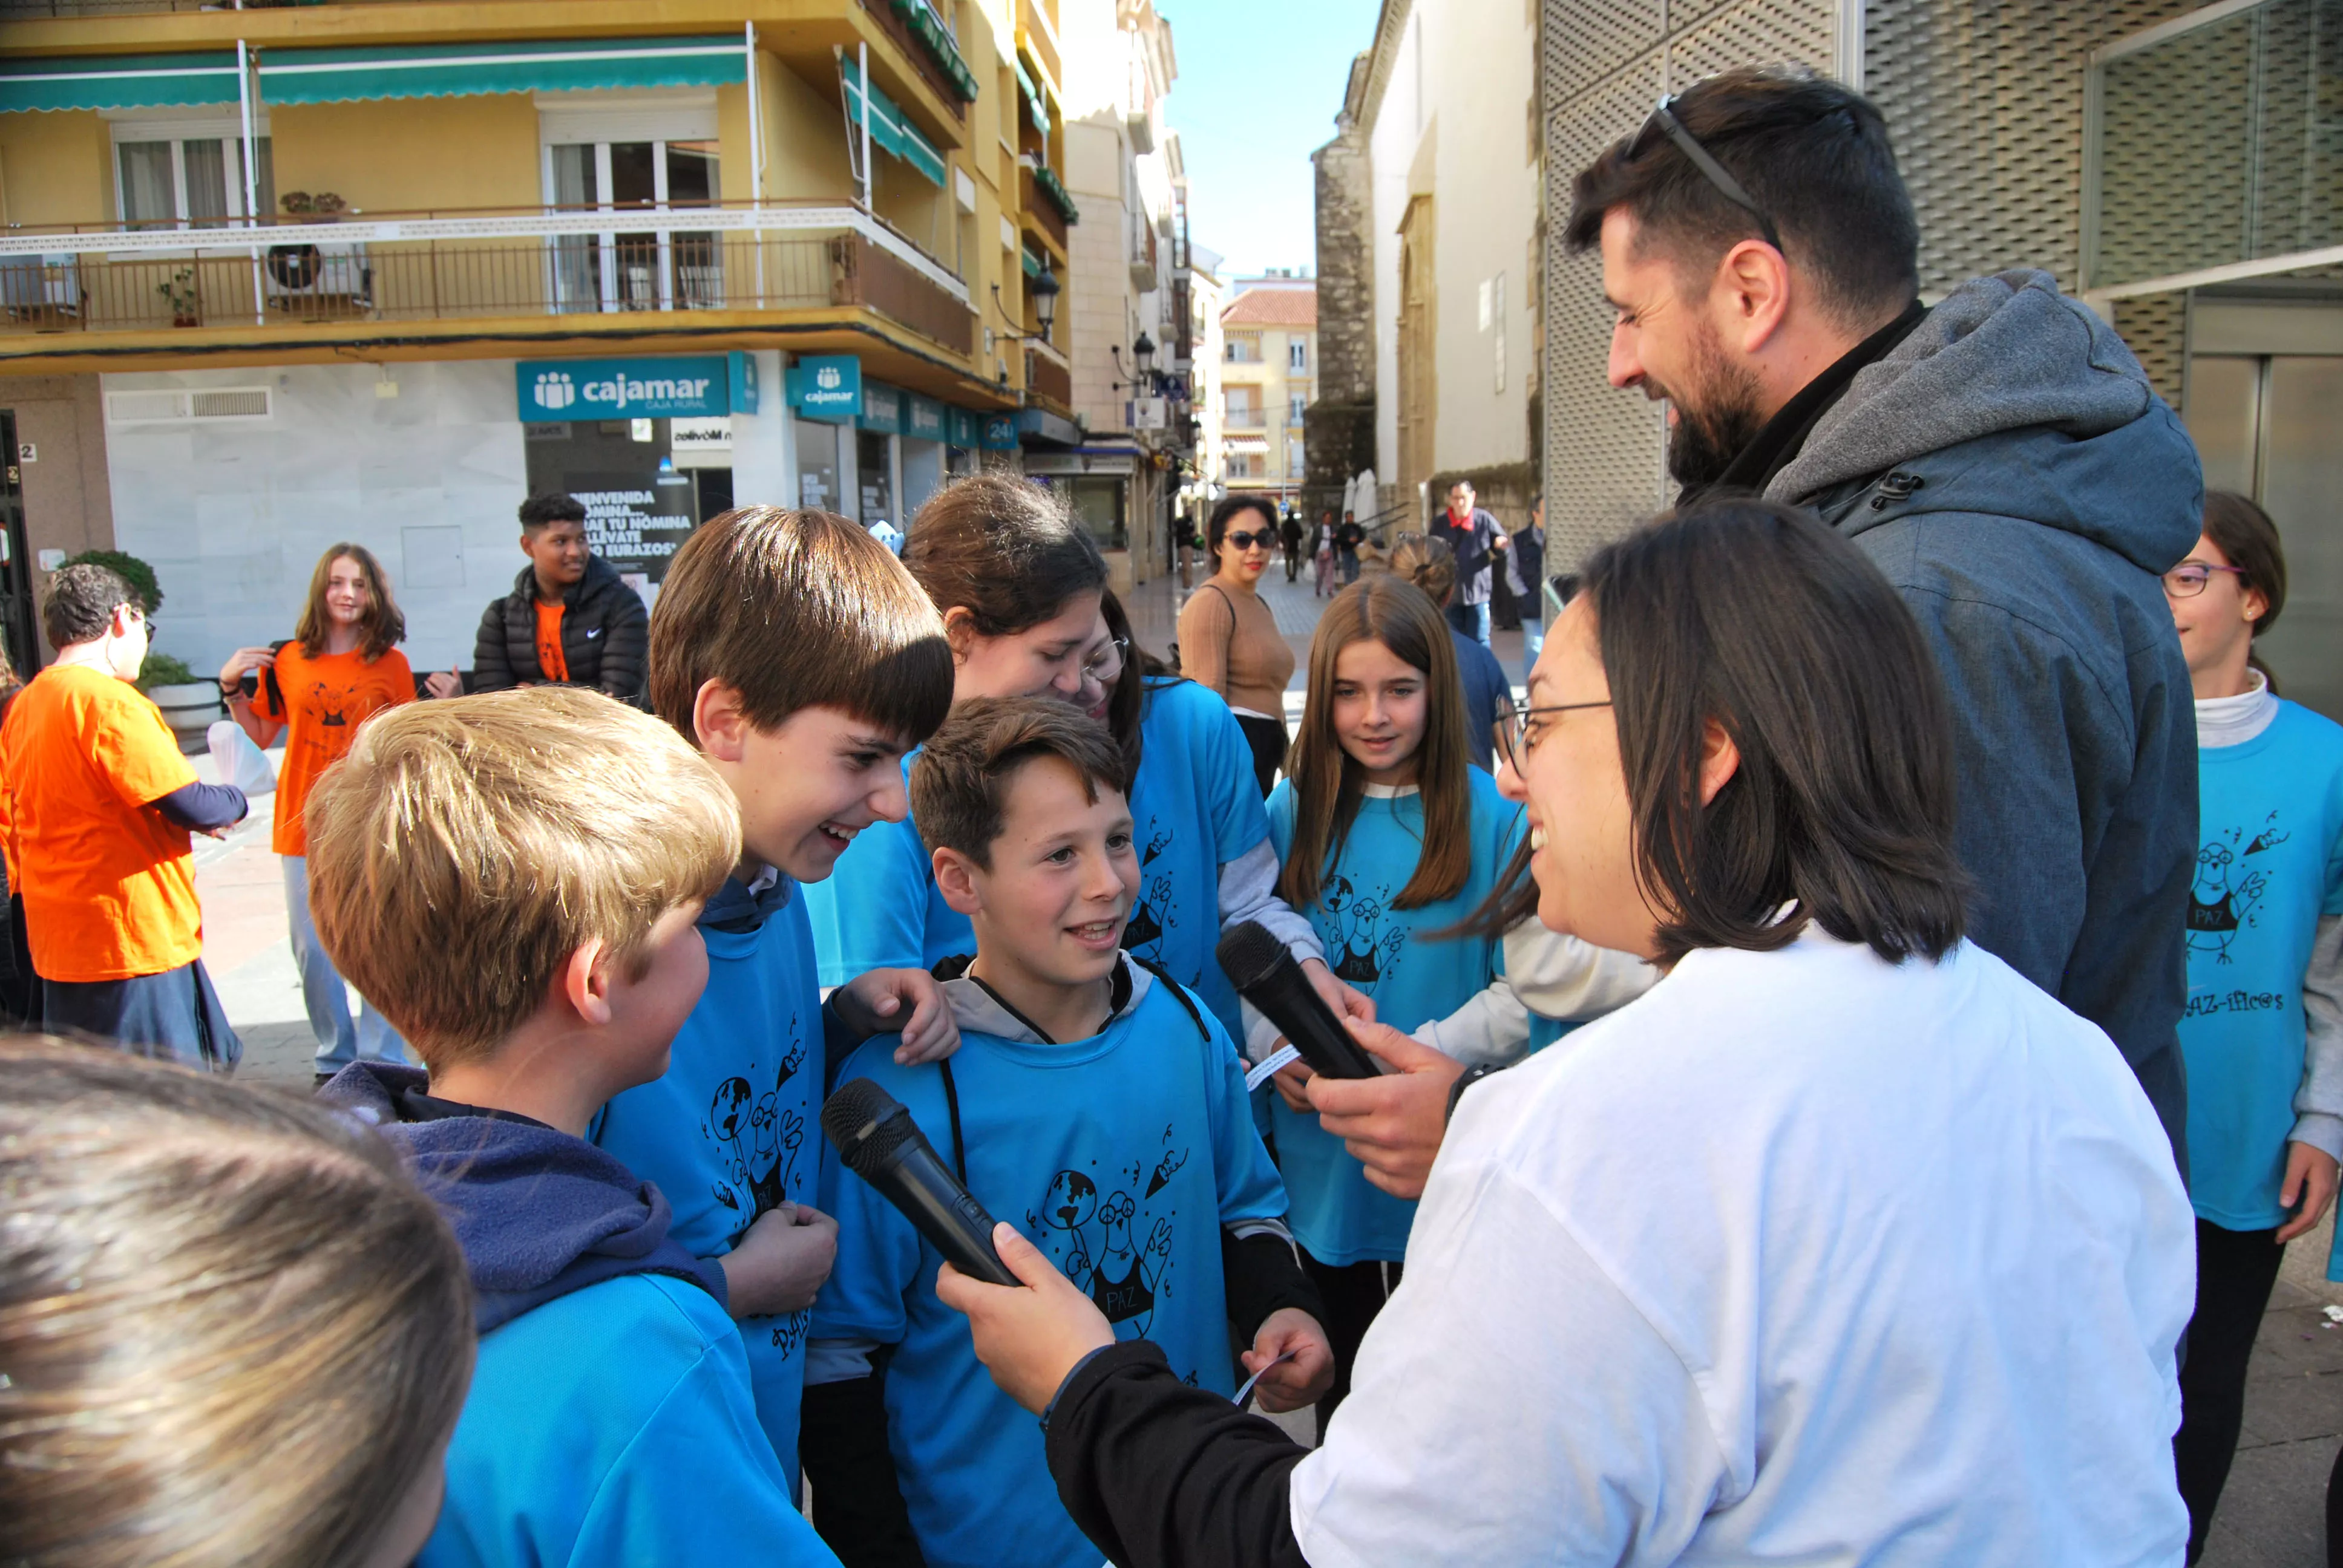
(1142, 373)
(1043, 292)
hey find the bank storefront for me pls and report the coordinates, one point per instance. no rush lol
(232, 482)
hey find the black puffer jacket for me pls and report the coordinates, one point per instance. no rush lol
(605, 635)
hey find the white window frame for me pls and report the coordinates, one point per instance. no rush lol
(179, 130)
(599, 120)
(1297, 354)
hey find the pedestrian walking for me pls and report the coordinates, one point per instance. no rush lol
(341, 667)
(1475, 538)
(102, 804)
(1321, 555)
(2004, 459)
(2263, 1034)
(1288, 533)
(1914, 1171)
(1347, 540)
(1229, 640)
(1525, 568)
(570, 619)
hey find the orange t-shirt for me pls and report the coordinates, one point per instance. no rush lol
(109, 881)
(326, 700)
(551, 662)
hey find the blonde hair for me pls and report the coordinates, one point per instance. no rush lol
(234, 1331)
(467, 847)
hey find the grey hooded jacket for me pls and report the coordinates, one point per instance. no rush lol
(2009, 467)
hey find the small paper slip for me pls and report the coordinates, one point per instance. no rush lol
(1279, 1060)
(1245, 1392)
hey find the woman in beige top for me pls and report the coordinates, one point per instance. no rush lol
(1229, 640)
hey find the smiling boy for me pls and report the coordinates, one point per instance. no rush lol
(1096, 1105)
(801, 659)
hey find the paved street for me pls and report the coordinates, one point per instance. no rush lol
(2273, 1515)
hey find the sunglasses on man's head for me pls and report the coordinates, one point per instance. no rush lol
(1245, 541)
(1664, 122)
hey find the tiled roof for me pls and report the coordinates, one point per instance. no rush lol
(1273, 307)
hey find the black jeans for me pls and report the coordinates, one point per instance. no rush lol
(1268, 740)
(1353, 1295)
(2234, 1272)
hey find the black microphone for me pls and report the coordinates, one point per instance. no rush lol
(880, 1144)
(1265, 975)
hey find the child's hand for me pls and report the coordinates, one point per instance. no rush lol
(444, 683)
(1304, 1379)
(2311, 1179)
(782, 1258)
(1345, 1000)
(906, 1000)
(1290, 1081)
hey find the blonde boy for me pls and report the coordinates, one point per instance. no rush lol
(514, 880)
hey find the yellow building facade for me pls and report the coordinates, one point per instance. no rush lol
(1268, 376)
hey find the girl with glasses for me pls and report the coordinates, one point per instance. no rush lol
(2262, 1037)
(1389, 834)
(1229, 640)
(1022, 588)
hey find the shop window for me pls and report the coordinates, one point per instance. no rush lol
(1100, 505)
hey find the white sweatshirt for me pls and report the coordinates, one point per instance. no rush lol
(1799, 1258)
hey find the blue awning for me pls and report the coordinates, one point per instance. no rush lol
(118, 82)
(889, 130)
(454, 70)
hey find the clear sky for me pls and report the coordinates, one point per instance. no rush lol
(1260, 84)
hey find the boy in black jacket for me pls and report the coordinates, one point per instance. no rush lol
(570, 619)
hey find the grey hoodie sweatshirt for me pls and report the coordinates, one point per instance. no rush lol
(2009, 467)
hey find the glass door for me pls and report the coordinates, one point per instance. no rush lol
(645, 269)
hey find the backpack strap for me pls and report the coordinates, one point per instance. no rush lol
(951, 1110)
(269, 676)
(1179, 992)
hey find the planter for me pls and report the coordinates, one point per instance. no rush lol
(189, 709)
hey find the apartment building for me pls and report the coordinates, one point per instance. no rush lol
(1428, 221)
(273, 277)
(1126, 354)
(1269, 376)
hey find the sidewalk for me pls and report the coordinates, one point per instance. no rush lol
(245, 946)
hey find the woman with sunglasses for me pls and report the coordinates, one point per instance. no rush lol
(1844, 1243)
(1228, 641)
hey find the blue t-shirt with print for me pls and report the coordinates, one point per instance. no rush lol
(1120, 1156)
(1338, 1214)
(2270, 862)
(730, 1129)
(1194, 808)
(614, 1427)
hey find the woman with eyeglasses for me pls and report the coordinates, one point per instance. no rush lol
(1844, 1243)
(1022, 588)
(1229, 640)
(2263, 1035)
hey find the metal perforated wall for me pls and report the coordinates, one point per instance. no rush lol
(1604, 63)
(1985, 99)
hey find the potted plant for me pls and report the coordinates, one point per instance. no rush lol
(191, 703)
(186, 303)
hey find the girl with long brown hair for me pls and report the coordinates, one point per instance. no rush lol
(1388, 835)
(341, 667)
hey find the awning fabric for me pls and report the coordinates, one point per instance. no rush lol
(454, 70)
(1033, 264)
(338, 75)
(889, 128)
(1034, 103)
(118, 82)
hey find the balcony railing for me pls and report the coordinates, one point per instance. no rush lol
(1046, 376)
(1245, 419)
(437, 268)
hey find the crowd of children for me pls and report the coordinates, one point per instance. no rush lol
(938, 823)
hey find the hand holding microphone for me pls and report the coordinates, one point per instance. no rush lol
(1265, 975)
(879, 1142)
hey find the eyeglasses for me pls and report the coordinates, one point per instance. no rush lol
(1101, 669)
(1264, 538)
(1517, 736)
(2188, 579)
(1665, 122)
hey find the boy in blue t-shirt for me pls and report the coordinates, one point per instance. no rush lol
(799, 657)
(539, 959)
(1094, 1104)
(2260, 1036)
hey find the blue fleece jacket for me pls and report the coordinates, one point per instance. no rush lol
(2009, 467)
(610, 1419)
